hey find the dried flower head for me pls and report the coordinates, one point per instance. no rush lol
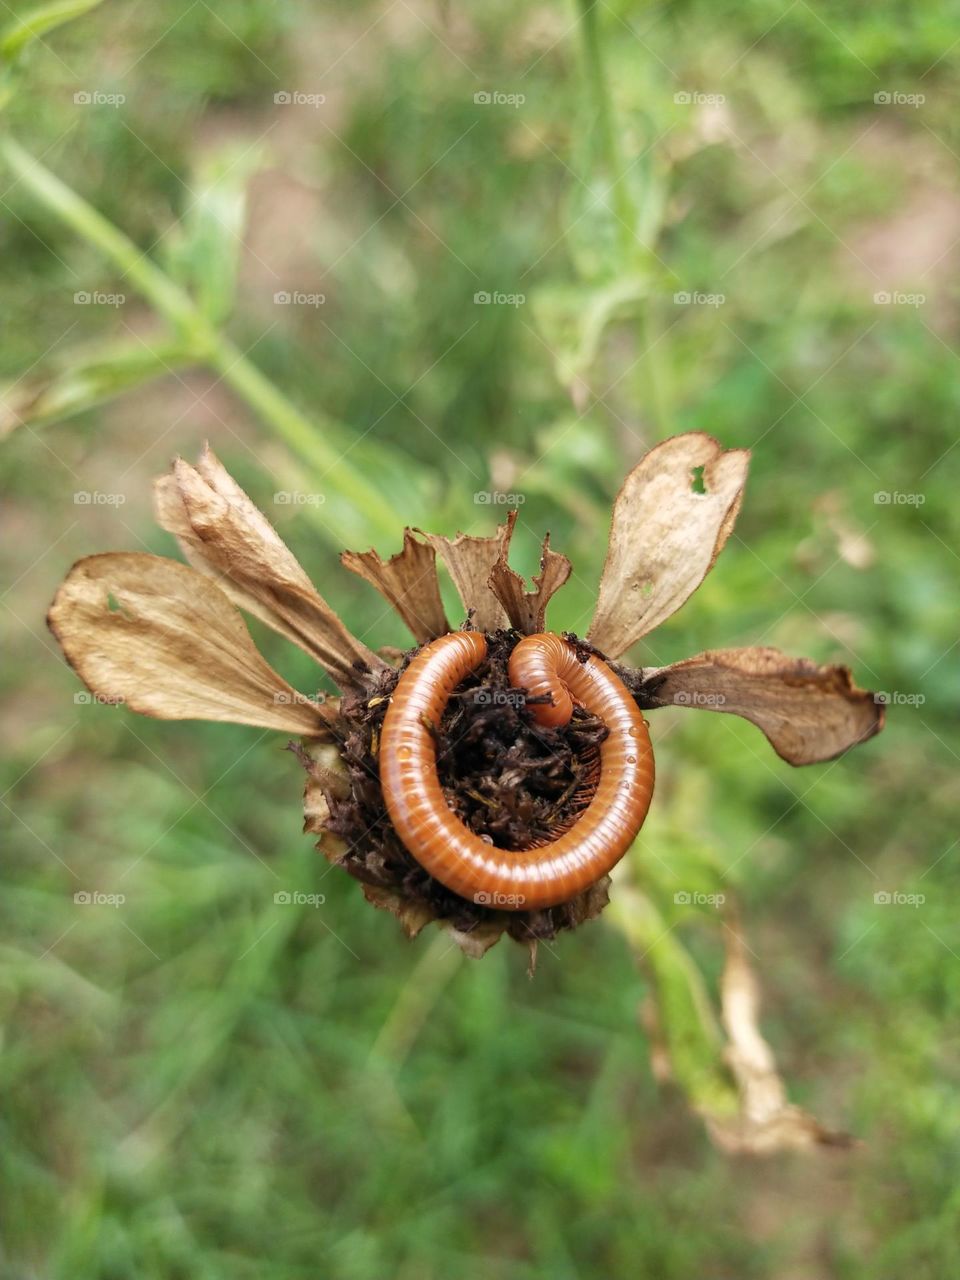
(168, 640)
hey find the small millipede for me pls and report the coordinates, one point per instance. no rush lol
(514, 879)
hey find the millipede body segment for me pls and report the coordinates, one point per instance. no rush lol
(469, 865)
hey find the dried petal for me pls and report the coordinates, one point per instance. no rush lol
(470, 561)
(809, 713)
(223, 534)
(766, 1121)
(408, 581)
(526, 609)
(326, 776)
(413, 914)
(665, 535)
(167, 642)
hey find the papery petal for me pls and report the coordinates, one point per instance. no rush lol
(326, 776)
(408, 581)
(163, 639)
(526, 609)
(470, 561)
(665, 536)
(223, 534)
(808, 712)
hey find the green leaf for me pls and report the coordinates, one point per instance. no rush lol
(89, 377)
(573, 320)
(687, 1026)
(203, 251)
(35, 24)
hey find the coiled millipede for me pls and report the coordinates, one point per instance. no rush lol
(512, 879)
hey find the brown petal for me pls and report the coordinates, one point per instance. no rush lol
(326, 776)
(526, 609)
(808, 712)
(225, 536)
(665, 536)
(167, 642)
(766, 1121)
(470, 561)
(408, 581)
(414, 916)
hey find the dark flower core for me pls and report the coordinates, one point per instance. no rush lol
(506, 778)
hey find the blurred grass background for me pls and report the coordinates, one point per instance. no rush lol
(202, 1083)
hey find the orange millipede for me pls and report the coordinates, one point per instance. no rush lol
(514, 879)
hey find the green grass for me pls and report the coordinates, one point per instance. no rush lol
(202, 1083)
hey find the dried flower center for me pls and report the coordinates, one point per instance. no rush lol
(515, 783)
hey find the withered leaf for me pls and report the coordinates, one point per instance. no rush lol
(164, 640)
(808, 712)
(665, 535)
(408, 581)
(766, 1122)
(223, 534)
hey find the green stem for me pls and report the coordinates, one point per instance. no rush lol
(609, 140)
(421, 991)
(317, 443)
(623, 204)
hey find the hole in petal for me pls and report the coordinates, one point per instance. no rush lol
(696, 483)
(117, 606)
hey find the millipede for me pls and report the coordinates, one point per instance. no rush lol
(547, 668)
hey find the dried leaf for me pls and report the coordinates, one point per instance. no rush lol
(808, 712)
(167, 642)
(766, 1121)
(408, 581)
(732, 1083)
(470, 561)
(665, 535)
(526, 609)
(223, 534)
